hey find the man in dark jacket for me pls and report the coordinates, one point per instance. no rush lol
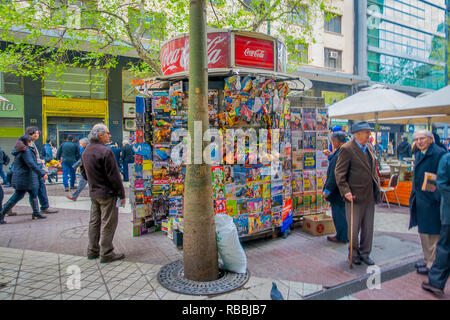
(127, 156)
(440, 271)
(69, 153)
(404, 149)
(331, 192)
(425, 205)
(4, 160)
(100, 169)
(358, 182)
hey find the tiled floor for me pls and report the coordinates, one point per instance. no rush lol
(34, 275)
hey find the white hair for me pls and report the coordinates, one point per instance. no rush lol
(427, 133)
(96, 131)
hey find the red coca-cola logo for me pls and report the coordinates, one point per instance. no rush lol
(253, 52)
(175, 53)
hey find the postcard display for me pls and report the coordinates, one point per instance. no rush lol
(253, 194)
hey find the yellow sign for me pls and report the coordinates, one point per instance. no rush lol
(333, 96)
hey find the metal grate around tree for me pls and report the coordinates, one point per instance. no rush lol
(171, 277)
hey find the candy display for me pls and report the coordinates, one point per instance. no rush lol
(267, 156)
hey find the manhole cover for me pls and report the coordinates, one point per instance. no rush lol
(172, 278)
(75, 233)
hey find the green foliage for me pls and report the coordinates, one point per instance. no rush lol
(46, 36)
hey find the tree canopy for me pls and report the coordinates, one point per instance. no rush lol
(44, 36)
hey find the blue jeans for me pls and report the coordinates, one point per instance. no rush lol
(17, 196)
(81, 185)
(68, 171)
(42, 195)
(125, 171)
(440, 271)
(2, 173)
(340, 221)
(1, 198)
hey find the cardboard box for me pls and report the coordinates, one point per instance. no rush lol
(318, 224)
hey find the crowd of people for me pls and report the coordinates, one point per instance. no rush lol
(353, 188)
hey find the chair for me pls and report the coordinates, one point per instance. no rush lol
(393, 184)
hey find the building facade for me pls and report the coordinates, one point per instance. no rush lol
(403, 43)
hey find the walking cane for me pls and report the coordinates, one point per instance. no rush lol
(351, 233)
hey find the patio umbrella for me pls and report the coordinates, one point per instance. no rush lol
(3, 99)
(373, 102)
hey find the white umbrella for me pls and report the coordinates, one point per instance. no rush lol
(373, 102)
(3, 99)
(437, 102)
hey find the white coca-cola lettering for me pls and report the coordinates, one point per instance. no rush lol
(258, 53)
(178, 58)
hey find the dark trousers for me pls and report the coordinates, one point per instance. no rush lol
(2, 174)
(42, 194)
(439, 272)
(125, 170)
(363, 219)
(102, 226)
(1, 197)
(340, 221)
(17, 196)
(68, 170)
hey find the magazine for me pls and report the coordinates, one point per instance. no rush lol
(429, 182)
(322, 119)
(309, 140)
(309, 119)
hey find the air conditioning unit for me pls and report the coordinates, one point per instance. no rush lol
(333, 54)
(130, 124)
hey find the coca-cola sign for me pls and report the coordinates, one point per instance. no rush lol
(253, 52)
(175, 53)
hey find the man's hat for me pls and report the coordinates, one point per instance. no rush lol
(362, 125)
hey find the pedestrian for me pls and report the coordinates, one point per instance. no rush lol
(25, 178)
(100, 169)
(331, 192)
(404, 149)
(390, 149)
(83, 182)
(47, 155)
(440, 270)
(69, 153)
(34, 133)
(425, 205)
(127, 156)
(4, 161)
(358, 182)
(115, 149)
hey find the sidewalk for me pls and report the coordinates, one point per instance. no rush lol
(300, 259)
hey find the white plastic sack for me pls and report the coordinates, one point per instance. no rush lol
(229, 247)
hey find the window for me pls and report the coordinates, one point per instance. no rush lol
(77, 83)
(333, 24)
(333, 59)
(298, 15)
(153, 24)
(10, 83)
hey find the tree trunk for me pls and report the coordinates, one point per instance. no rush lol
(199, 240)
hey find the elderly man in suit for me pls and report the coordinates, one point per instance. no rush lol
(440, 271)
(425, 205)
(358, 182)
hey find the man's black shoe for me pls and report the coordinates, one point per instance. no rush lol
(368, 261)
(420, 265)
(423, 270)
(114, 257)
(357, 261)
(436, 291)
(93, 256)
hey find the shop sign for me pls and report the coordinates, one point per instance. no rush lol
(129, 110)
(13, 108)
(411, 128)
(175, 53)
(255, 53)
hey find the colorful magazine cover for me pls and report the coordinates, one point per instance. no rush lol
(160, 207)
(266, 188)
(297, 140)
(240, 190)
(220, 206)
(297, 182)
(296, 120)
(176, 190)
(321, 161)
(277, 219)
(276, 188)
(249, 190)
(257, 190)
(161, 152)
(232, 209)
(219, 192)
(297, 160)
(240, 174)
(309, 181)
(230, 190)
(241, 223)
(309, 160)
(309, 141)
(322, 119)
(267, 205)
(161, 170)
(228, 173)
(266, 220)
(322, 141)
(277, 200)
(321, 176)
(309, 119)
(175, 206)
(242, 206)
(217, 175)
(252, 228)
